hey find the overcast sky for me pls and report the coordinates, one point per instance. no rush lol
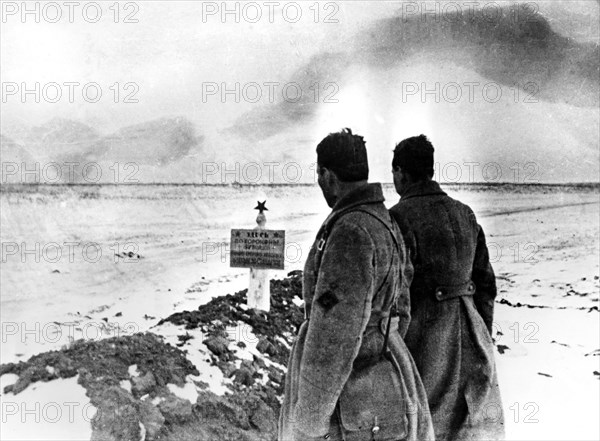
(169, 53)
(175, 47)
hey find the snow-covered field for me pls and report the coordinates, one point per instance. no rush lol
(543, 241)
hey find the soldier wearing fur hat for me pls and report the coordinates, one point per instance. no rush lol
(452, 300)
(350, 375)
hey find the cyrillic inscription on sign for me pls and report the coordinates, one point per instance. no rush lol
(257, 249)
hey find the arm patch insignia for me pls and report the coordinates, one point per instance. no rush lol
(328, 300)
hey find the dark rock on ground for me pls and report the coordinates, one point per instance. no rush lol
(143, 384)
(228, 369)
(175, 409)
(243, 376)
(264, 345)
(263, 418)
(152, 419)
(30, 375)
(217, 345)
(277, 377)
(213, 407)
(244, 416)
(117, 416)
(502, 348)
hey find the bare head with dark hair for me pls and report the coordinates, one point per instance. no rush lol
(415, 156)
(342, 164)
(345, 154)
(413, 162)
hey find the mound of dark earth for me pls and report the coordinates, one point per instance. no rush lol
(283, 320)
(150, 411)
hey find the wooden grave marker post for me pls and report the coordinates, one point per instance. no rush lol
(260, 250)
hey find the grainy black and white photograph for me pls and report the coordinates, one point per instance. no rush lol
(300, 220)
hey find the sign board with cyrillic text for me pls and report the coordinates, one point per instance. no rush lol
(264, 249)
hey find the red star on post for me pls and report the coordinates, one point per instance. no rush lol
(261, 206)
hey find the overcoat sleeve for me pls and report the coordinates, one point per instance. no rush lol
(406, 277)
(339, 316)
(485, 281)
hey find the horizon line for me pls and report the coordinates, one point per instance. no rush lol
(283, 184)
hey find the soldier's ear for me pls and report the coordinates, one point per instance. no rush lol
(397, 173)
(405, 177)
(325, 174)
(331, 177)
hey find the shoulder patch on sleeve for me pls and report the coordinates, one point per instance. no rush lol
(328, 300)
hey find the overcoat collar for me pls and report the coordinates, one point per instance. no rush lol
(422, 188)
(366, 194)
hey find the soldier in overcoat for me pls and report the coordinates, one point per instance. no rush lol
(452, 300)
(350, 375)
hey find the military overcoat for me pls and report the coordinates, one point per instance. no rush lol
(452, 310)
(335, 380)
